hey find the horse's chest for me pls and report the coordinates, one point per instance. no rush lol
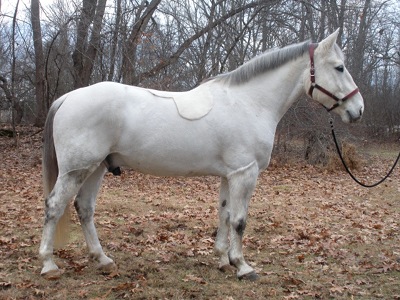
(264, 150)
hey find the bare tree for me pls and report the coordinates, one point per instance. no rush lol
(114, 40)
(41, 108)
(189, 40)
(360, 41)
(144, 13)
(175, 44)
(88, 40)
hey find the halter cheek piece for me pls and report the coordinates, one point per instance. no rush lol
(318, 87)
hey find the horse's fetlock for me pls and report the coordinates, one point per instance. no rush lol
(221, 248)
(95, 253)
(45, 254)
(93, 256)
(234, 261)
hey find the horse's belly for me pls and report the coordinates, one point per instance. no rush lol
(164, 163)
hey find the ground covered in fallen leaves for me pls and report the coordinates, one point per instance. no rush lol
(311, 234)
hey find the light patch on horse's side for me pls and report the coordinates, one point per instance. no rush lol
(191, 105)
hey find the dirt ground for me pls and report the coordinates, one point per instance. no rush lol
(311, 234)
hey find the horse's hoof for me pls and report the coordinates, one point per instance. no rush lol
(227, 269)
(52, 274)
(108, 268)
(252, 276)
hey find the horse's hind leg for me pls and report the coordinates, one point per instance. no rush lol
(85, 206)
(65, 188)
(222, 239)
(241, 186)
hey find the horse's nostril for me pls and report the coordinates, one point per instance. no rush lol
(361, 111)
(354, 117)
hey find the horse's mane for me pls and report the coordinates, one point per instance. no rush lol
(266, 61)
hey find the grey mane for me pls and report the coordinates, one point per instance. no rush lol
(269, 60)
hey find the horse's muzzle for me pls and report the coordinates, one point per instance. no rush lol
(353, 118)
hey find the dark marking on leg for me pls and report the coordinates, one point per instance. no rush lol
(227, 219)
(48, 217)
(84, 213)
(223, 203)
(51, 194)
(241, 226)
(46, 204)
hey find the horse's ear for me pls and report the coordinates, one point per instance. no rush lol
(329, 42)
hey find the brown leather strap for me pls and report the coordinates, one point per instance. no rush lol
(314, 85)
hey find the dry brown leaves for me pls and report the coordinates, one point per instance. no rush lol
(311, 234)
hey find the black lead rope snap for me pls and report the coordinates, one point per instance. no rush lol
(331, 121)
(348, 170)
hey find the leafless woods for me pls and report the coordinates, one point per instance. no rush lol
(48, 50)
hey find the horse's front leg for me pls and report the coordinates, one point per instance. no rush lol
(241, 185)
(222, 239)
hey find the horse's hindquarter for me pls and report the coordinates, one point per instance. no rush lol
(87, 125)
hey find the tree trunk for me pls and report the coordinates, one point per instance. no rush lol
(129, 53)
(41, 108)
(361, 44)
(85, 51)
(114, 42)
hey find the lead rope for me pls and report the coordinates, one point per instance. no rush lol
(348, 170)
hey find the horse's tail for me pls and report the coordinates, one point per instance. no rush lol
(50, 172)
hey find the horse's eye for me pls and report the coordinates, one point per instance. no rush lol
(340, 68)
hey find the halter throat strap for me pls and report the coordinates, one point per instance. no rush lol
(314, 85)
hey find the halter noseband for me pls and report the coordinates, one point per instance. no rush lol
(318, 87)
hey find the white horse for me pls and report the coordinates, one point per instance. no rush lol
(225, 127)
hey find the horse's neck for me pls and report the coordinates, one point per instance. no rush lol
(275, 91)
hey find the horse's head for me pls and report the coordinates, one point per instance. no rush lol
(329, 82)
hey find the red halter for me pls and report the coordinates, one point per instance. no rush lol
(317, 86)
